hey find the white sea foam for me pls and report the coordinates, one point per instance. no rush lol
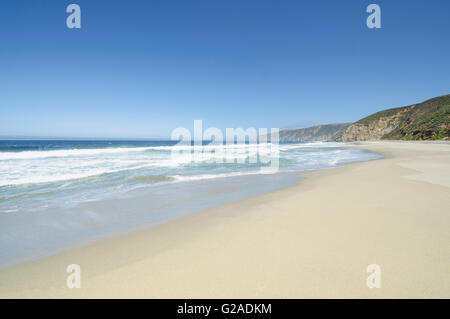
(182, 162)
(33, 167)
(121, 150)
(66, 153)
(54, 186)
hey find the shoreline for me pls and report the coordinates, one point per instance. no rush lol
(286, 243)
(32, 234)
(93, 221)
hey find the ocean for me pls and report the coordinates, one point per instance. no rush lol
(58, 194)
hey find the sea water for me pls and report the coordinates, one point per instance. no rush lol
(57, 194)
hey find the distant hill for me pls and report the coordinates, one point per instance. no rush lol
(429, 120)
(323, 133)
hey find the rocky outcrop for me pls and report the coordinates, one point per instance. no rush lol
(372, 130)
(423, 121)
(427, 120)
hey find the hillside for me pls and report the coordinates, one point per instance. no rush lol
(323, 133)
(429, 120)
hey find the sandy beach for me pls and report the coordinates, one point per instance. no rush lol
(311, 240)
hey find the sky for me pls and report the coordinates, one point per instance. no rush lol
(139, 69)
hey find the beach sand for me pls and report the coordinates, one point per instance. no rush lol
(312, 240)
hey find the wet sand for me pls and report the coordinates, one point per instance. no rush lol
(311, 240)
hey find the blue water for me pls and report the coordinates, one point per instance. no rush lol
(57, 194)
(37, 174)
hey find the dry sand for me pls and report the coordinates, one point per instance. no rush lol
(312, 240)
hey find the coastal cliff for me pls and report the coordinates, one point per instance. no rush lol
(324, 133)
(429, 120)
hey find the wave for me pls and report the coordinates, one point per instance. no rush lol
(286, 147)
(65, 177)
(182, 178)
(41, 154)
(67, 153)
(47, 176)
(91, 152)
(77, 164)
(189, 178)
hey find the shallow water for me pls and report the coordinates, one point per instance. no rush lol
(55, 195)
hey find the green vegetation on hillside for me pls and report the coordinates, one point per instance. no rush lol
(427, 120)
(378, 115)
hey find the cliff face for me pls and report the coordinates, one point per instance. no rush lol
(427, 120)
(322, 133)
(374, 129)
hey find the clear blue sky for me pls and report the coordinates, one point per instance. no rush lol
(143, 68)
